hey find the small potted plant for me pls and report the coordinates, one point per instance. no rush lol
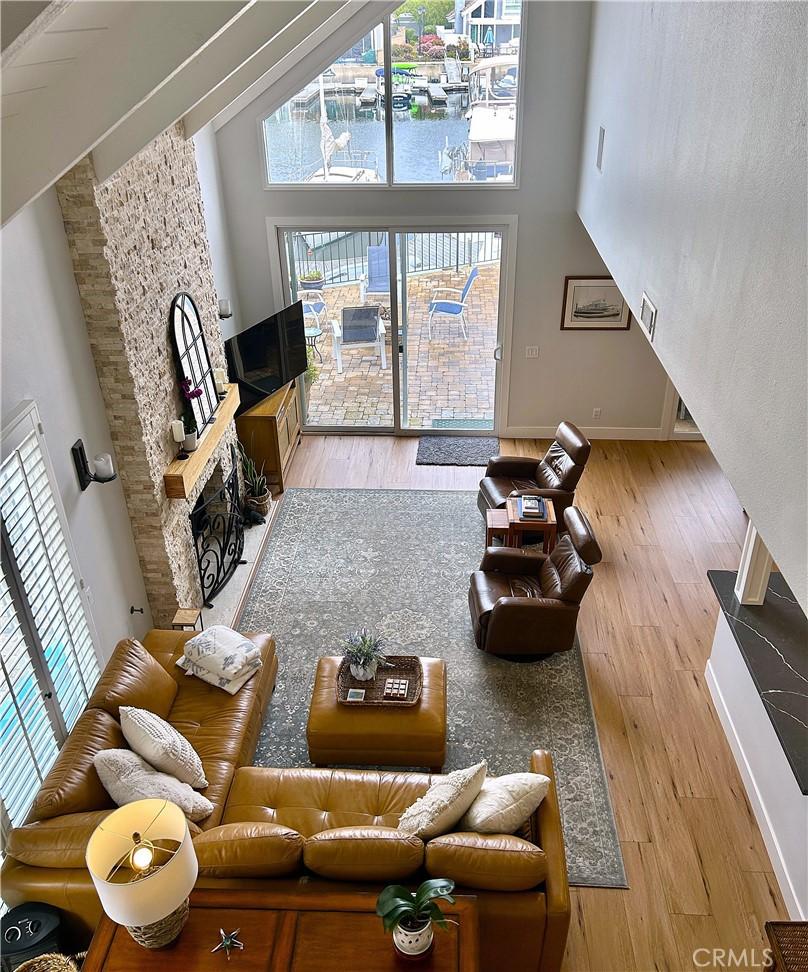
(312, 372)
(311, 280)
(255, 482)
(410, 914)
(365, 651)
(188, 418)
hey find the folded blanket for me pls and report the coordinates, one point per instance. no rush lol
(223, 651)
(230, 685)
(252, 660)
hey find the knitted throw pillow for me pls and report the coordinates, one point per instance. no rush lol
(160, 744)
(444, 803)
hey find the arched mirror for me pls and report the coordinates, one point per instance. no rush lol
(193, 362)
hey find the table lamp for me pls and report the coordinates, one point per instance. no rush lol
(142, 862)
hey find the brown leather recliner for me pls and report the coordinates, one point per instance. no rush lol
(555, 476)
(523, 602)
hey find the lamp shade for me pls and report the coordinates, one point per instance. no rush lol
(133, 897)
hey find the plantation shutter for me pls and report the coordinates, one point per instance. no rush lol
(49, 663)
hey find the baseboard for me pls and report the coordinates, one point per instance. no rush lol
(776, 856)
(593, 432)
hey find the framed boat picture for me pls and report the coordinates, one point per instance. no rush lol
(594, 304)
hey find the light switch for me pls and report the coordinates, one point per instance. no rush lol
(532, 351)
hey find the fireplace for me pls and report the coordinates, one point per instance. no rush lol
(217, 526)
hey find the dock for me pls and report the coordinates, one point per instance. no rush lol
(436, 93)
(367, 99)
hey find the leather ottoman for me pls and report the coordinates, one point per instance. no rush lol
(378, 735)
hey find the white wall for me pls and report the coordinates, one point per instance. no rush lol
(576, 372)
(46, 357)
(702, 202)
(207, 166)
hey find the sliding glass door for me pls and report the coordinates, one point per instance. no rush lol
(343, 280)
(420, 355)
(449, 326)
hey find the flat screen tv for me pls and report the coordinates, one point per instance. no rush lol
(268, 355)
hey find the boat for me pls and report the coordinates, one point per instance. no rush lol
(493, 88)
(401, 85)
(597, 308)
(341, 166)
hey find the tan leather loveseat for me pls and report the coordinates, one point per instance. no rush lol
(301, 829)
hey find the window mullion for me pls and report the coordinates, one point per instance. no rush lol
(388, 101)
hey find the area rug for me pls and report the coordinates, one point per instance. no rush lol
(456, 450)
(398, 561)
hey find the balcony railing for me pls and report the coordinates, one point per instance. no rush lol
(342, 257)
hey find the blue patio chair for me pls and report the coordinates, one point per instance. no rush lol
(452, 308)
(377, 280)
(314, 305)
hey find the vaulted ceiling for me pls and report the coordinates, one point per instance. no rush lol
(107, 76)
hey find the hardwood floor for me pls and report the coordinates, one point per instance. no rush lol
(664, 513)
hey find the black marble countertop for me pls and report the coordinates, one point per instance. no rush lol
(773, 640)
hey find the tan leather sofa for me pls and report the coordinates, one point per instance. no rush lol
(45, 858)
(303, 829)
(332, 829)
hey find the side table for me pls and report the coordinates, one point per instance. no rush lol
(496, 525)
(186, 619)
(518, 527)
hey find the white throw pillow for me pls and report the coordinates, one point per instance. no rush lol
(505, 802)
(444, 803)
(128, 777)
(162, 746)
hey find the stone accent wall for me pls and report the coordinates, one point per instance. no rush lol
(136, 241)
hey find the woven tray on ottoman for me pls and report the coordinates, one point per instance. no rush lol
(398, 666)
(378, 735)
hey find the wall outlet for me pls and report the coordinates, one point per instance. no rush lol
(532, 351)
(595, 413)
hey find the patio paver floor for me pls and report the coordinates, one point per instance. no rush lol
(448, 378)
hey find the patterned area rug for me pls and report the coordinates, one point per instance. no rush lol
(456, 450)
(398, 561)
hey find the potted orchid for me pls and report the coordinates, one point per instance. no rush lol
(411, 914)
(189, 393)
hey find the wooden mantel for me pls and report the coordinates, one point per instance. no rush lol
(182, 475)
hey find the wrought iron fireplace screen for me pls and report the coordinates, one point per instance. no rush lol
(218, 530)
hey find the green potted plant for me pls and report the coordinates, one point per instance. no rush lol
(311, 280)
(365, 651)
(255, 484)
(312, 372)
(411, 914)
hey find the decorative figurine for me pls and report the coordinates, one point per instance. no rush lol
(228, 942)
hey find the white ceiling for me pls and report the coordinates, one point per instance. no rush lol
(81, 67)
(107, 76)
